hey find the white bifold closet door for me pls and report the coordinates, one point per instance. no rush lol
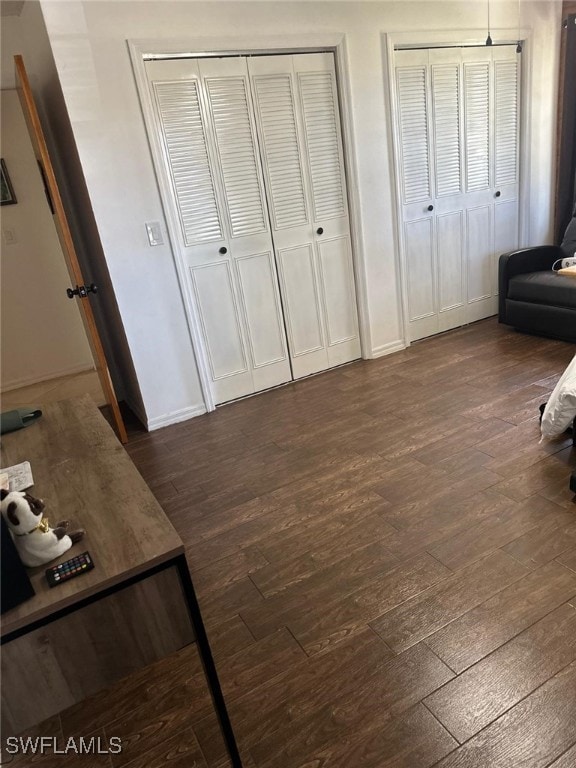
(253, 159)
(299, 129)
(458, 129)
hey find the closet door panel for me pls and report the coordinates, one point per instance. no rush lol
(320, 118)
(414, 131)
(477, 116)
(451, 286)
(228, 98)
(274, 99)
(445, 82)
(336, 279)
(447, 143)
(299, 130)
(506, 154)
(186, 150)
(207, 131)
(479, 222)
(220, 318)
(450, 245)
(261, 304)
(506, 117)
(505, 233)
(421, 277)
(416, 157)
(301, 295)
(505, 226)
(478, 173)
(237, 155)
(325, 170)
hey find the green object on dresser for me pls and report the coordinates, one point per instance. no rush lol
(19, 418)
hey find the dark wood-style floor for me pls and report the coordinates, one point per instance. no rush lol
(385, 558)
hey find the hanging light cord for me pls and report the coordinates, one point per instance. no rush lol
(519, 46)
(488, 39)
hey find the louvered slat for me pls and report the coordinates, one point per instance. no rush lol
(446, 110)
(275, 103)
(320, 124)
(235, 143)
(185, 141)
(477, 121)
(411, 84)
(506, 123)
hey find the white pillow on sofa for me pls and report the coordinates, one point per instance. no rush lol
(560, 409)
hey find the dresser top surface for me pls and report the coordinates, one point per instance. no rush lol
(84, 475)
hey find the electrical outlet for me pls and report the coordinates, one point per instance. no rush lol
(570, 262)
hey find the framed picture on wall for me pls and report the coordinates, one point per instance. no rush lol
(7, 196)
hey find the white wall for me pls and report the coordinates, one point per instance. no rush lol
(88, 40)
(42, 333)
(11, 44)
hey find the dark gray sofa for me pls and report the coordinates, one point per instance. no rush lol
(533, 298)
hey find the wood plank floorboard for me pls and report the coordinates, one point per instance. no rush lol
(485, 691)
(392, 686)
(533, 733)
(451, 598)
(415, 739)
(385, 560)
(499, 529)
(338, 618)
(542, 544)
(567, 760)
(180, 751)
(568, 559)
(492, 623)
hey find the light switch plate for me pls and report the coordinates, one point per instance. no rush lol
(154, 231)
(9, 236)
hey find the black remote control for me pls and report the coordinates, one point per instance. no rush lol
(58, 574)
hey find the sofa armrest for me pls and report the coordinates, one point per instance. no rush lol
(535, 259)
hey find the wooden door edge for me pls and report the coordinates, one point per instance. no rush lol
(63, 230)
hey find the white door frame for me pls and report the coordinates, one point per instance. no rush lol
(140, 50)
(465, 37)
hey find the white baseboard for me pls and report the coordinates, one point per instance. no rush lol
(28, 381)
(388, 349)
(175, 417)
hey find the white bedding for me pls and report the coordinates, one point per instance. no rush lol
(560, 409)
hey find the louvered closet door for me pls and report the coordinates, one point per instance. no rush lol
(218, 203)
(297, 115)
(505, 159)
(491, 107)
(458, 157)
(428, 104)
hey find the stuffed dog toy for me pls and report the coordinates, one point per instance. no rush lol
(37, 543)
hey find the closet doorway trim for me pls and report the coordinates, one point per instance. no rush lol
(141, 50)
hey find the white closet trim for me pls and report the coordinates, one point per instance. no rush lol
(140, 50)
(426, 38)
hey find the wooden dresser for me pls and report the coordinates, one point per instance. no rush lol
(136, 606)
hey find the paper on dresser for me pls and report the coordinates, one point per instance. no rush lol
(19, 477)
